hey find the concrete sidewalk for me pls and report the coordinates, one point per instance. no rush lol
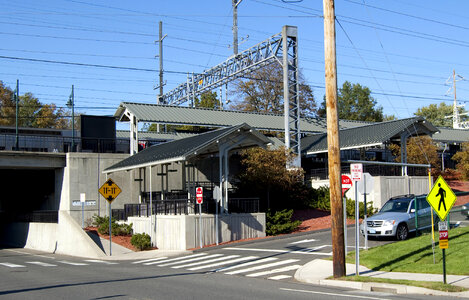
(318, 270)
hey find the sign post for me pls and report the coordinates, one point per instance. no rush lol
(346, 185)
(109, 190)
(443, 229)
(82, 200)
(199, 197)
(356, 170)
(441, 198)
(365, 187)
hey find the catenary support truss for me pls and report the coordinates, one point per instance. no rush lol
(281, 48)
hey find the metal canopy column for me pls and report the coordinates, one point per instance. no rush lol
(291, 98)
(133, 132)
(404, 137)
(223, 152)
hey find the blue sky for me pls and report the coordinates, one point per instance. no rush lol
(404, 51)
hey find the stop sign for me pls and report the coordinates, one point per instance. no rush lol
(346, 183)
(199, 195)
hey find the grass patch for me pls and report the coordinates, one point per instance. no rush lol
(416, 256)
(440, 286)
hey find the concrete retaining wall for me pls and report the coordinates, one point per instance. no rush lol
(181, 232)
(66, 237)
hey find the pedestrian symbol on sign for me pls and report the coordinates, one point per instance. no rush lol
(441, 198)
(442, 194)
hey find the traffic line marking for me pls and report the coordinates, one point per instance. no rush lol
(72, 263)
(206, 262)
(224, 263)
(189, 260)
(149, 260)
(303, 241)
(333, 294)
(175, 259)
(40, 263)
(306, 251)
(101, 262)
(10, 265)
(284, 269)
(260, 261)
(279, 277)
(278, 263)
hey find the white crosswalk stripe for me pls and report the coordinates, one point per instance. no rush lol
(72, 263)
(270, 272)
(279, 277)
(222, 263)
(206, 262)
(260, 261)
(150, 260)
(274, 264)
(174, 259)
(101, 262)
(189, 260)
(10, 265)
(40, 263)
(250, 266)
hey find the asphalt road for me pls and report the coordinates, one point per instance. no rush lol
(261, 269)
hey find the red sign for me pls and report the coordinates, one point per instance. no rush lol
(199, 195)
(443, 235)
(346, 184)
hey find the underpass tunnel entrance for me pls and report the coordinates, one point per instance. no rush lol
(27, 190)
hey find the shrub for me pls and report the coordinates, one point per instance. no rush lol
(117, 229)
(280, 222)
(321, 198)
(361, 209)
(141, 241)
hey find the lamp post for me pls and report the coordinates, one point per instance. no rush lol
(71, 104)
(16, 97)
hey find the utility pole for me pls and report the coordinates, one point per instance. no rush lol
(338, 247)
(455, 103)
(235, 25)
(17, 98)
(160, 55)
(71, 104)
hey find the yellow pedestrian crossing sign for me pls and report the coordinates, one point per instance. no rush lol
(441, 198)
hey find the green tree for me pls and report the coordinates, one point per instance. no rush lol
(439, 115)
(263, 92)
(208, 100)
(31, 112)
(420, 150)
(355, 103)
(7, 105)
(264, 175)
(462, 157)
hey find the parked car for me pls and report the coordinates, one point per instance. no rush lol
(397, 217)
(465, 210)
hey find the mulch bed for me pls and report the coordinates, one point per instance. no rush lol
(123, 240)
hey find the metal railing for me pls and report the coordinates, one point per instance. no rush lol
(40, 216)
(184, 207)
(62, 144)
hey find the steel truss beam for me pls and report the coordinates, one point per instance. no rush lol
(282, 48)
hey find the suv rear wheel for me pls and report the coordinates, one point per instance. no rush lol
(402, 232)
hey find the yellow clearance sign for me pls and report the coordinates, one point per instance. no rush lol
(441, 198)
(109, 190)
